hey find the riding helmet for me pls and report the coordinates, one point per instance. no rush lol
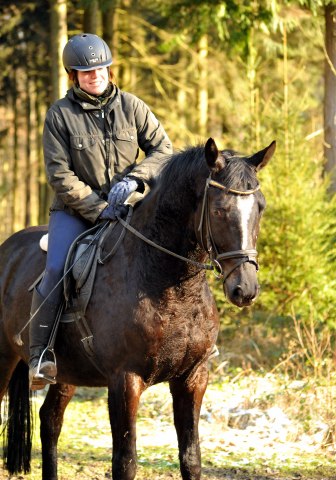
(85, 52)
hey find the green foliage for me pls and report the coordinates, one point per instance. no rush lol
(316, 5)
(230, 20)
(296, 246)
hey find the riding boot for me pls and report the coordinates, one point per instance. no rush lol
(44, 371)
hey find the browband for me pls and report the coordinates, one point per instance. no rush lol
(231, 190)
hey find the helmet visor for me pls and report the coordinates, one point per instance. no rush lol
(94, 66)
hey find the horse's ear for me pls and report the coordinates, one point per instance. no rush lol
(213, 156)
(261, 159)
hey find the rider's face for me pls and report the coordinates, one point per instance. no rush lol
(93, 82)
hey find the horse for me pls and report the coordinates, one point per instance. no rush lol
(152, 313)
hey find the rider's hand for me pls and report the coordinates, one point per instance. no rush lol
(121, 191)
(111, 213)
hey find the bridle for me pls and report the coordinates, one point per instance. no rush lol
(209, 245)
(215, 257)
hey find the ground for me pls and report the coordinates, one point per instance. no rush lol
(242, 437)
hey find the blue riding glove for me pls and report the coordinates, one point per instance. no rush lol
(120, 191)
(111, 213)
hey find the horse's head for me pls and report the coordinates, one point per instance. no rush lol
(229, 219)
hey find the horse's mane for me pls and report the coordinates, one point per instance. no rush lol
(177, 192)
(183, 167)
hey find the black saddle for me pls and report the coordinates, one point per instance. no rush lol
(80, 269)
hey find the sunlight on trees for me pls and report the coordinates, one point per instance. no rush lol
(245, 73)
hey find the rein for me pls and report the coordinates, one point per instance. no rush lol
(145, 239)
(243, 256)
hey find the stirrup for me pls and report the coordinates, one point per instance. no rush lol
(40, 379)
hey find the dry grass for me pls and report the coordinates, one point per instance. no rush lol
(231, 446)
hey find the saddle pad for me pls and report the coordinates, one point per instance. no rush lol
(69, 281)
(83, 260)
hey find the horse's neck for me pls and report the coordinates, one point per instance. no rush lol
(170, 226)
(161, 221)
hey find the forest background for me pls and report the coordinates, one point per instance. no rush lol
(243, 72)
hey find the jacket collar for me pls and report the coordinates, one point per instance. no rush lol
(90, 102)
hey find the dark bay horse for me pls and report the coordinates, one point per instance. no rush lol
(152, 315)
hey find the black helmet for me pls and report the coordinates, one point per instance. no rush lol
(86, 52)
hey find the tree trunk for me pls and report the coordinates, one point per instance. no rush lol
(215, 128)
(28, 155)
(34, 154)
(59, 37)
(202, 97)
(182, 98)
(126, 71)
(330, 96)
(5, 152)
(110, 32)
(44, 200)
(16, 207)
(91, 18)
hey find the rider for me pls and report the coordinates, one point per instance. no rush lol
(91, 142)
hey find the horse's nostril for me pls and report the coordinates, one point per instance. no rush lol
(238, 293)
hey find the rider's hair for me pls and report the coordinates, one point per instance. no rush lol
(74, 79)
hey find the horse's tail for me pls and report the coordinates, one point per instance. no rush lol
(17, 439)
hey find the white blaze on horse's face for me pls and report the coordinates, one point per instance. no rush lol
(245, 206)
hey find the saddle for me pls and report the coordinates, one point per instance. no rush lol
(83, 257)
(79, 274)
(81, 262)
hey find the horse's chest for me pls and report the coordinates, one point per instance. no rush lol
(175, 339)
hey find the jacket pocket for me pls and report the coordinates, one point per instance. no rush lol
(80, 143)
(126, 146)
(88, 160)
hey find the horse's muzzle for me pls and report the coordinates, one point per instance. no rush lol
(243, 299)
(242, 288)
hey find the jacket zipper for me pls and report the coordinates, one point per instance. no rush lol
(101, 108)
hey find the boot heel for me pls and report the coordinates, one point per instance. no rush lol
(43, 378)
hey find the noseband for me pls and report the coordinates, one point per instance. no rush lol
(209, 246)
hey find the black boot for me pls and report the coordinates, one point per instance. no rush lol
(44, 371)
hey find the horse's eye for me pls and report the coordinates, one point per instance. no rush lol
(217, 212)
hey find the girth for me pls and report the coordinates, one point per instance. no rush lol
(209, 245)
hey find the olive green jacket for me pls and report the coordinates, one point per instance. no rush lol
(88, 148)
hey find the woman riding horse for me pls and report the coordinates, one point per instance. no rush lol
(91, 142)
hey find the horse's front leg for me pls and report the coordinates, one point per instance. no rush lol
(123, 399)
(51, 415)
(187, 400)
